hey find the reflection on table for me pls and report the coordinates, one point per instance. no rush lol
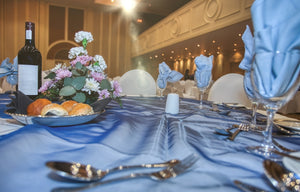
(140, 132)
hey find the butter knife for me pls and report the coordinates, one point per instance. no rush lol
(247, 187)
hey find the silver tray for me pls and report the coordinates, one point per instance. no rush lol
(53, 120)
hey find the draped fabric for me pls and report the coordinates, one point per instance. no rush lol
(140, 132)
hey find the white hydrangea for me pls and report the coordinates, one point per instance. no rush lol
(76, 51)
(91, 85)
(59, 66)
(81, 35)
(101, 64)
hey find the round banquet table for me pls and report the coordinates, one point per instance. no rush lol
(139, 132)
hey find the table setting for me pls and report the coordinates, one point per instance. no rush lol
(132, 143)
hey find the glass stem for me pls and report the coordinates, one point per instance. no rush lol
(268, 144)
(253, 116)
(201, 99)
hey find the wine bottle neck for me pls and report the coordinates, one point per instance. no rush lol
(29, 33)
(30, 42)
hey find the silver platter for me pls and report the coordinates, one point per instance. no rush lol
(53, 120)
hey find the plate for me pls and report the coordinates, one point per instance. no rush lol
(289, 124)
(292, 164)
(53, 120)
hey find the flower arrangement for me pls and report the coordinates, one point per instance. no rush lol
(84, 80)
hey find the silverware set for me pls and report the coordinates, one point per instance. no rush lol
(173, 169)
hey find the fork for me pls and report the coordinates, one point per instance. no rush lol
(167, 173)
(242, 127)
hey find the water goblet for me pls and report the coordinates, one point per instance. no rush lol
(202, 89)
(161, 89)
(251, 96)
(274, 94)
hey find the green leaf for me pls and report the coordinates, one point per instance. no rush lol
(75, 72)
(51, 75)
(67, 91)
(79, 97)
(78, 82)
(105, 84)
(68, 81)
(78, 65)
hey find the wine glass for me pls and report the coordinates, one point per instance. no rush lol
(252, 97)
(161, 88)
(274, 90)
(202, 88)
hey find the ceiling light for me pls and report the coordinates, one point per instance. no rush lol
(139, 20)
(128, 5)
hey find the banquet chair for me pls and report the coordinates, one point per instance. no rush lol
(229, 89)
(137, 82)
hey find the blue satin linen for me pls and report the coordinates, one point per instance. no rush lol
(10, 70)
(203, 71)
(167, 75)
(277, 45)
(140, 132)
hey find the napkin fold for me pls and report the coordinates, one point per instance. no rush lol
(10, 70)
(246, 63)
(277, 45)
(167, 75)
(203, 70)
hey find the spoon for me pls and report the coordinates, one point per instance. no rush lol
(87, 173)
(281, 178)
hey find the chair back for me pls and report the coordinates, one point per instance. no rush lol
(229, 89)
(138, 82)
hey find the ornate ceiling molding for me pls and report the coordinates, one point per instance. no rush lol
(194, 19)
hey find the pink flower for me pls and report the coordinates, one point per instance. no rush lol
(62, 73)
(84, 60)
(98, 76)
(103, 94)
(45, 86)
(117, 89)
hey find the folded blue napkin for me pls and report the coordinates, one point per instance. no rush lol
(167, 75)
(246, 63)
(277, 45)
(10, 70)
(203, 72)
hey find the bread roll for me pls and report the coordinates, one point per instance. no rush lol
(68, 105)
(36, 106)
(81, 109)
(54, 109)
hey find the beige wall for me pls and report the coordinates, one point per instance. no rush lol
(111, 32)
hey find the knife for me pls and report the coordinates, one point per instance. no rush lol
(247, 187)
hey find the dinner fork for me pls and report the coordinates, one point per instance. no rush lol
(161, 175)
(242, 127)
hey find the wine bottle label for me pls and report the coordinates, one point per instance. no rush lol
(28, 34)
(28, 79)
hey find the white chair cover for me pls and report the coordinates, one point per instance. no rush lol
(138, 82)
(229, 89)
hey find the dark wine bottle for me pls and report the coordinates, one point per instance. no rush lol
(29, 64)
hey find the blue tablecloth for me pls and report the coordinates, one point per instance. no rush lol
(140, 132)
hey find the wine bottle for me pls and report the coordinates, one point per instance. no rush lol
(29, 64)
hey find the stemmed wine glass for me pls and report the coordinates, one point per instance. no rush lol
(252, 97)
(274, 94)
(160, 89)
(202, 90)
